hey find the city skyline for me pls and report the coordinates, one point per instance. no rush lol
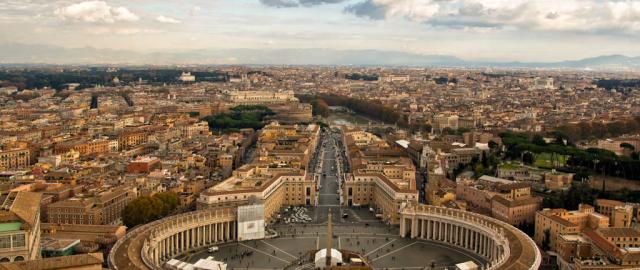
(471, 30)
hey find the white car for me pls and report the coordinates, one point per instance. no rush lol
(213, 249)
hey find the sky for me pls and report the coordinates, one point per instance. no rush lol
(498, 30)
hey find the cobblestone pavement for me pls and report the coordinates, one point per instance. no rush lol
(380, 244)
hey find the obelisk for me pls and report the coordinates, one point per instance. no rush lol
(329, 240)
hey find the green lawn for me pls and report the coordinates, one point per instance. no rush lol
(544, 160)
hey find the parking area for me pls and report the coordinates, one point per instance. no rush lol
(295, 215)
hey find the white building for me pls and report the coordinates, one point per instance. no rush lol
(187, 77)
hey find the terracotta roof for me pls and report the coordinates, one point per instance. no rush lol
(56, 262)
(562, 221)
(619, 232)
(518, 202)
(27, 206)
(82, 227)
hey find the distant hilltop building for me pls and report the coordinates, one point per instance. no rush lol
(187, 77)
(286, 106)
(394, 78)
(543, 83)
(258, 97)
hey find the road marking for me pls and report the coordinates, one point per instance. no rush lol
(253, 268)
(288, 262)
(413, 267)
(279, 249)
(472, 256)
(394, 251)
(371, 252)
(355, 215)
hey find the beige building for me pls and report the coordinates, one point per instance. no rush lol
(515, 211)
(103, 208)
(506, 200)
(277, 176)
(619, 213)
(442, 121)
(20, 227)
(561, 221)
(556, 180)
(604, 248)
(12, 159)
(235, 98)
(381, 177)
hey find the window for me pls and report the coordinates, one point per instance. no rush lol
(5, 241)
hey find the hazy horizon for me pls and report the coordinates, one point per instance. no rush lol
(495, 30)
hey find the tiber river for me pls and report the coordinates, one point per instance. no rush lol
(344, 118)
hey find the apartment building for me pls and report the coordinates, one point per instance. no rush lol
(620, 214)
(509, 201)
(562, 221)
(603, 248)
(100, 208)
(11, 159)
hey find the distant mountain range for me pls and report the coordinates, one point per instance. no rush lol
(15, 53)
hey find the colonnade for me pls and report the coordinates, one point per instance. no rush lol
(200, 229)
(499, 243)
(456, 234)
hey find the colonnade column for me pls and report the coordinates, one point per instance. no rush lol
(468, 240)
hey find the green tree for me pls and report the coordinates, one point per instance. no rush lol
(538, 140)
(528, 158)
(627, 147)
(145, 209)
(479, 170)
(546, 240)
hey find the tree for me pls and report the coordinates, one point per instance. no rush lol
(527, 158)
(479, 170)
(538, 140)
(628, 148)
(94, 101)
(493, 145)
(546, 240)
(145, 209)
(243, 116)
(448, 131)
(322, 108)
(485, 160)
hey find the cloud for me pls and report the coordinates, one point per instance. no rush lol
(101, 30)
(165, 19)
(298, 3)
(368, 9)
(592, 16)
(195, 10)
(95, 12)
